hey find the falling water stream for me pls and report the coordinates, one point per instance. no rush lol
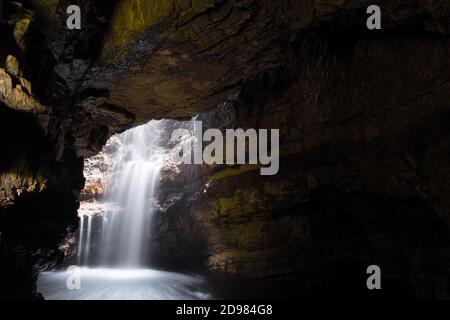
(114, 253)
(127, 207)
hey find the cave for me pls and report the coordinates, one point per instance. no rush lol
(88, 179)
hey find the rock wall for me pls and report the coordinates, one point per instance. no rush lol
(363, 175)
(41, 64)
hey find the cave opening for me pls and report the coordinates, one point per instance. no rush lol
(112, 249)
(116, 220)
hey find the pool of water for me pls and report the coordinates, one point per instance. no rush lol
(121, 284)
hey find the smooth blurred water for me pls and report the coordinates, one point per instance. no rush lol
(131, 189)
(123, 284)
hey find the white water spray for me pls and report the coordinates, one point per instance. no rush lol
(121, 238)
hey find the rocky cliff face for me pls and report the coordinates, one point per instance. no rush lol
(41, 65)
(363, 117)
(39, 175)
(363, 172)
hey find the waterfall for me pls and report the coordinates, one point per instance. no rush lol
(117, 234)
(80, 240)
(114, 233)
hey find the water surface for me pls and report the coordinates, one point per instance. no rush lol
(123, 284)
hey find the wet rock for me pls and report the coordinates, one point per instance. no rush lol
(12, 66)
(16, 96)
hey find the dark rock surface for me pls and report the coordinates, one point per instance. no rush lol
(40, 172)
(364, 120)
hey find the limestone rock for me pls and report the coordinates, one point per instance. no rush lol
(16, 96)
(12, 66)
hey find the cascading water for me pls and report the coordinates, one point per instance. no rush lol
(128, 204)
(113, 240)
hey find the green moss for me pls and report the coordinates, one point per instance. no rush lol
(233, 171)
(256, 234)
(242, 203)
(132, 17)
(45, 5)
(243, 236)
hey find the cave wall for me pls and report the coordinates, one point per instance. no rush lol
(40, 170)
(363, 118)
(363, 175)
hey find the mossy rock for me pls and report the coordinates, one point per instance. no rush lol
(21, 23)
(255, 234)
(234, 171)
(242, 203)
(132, 17)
